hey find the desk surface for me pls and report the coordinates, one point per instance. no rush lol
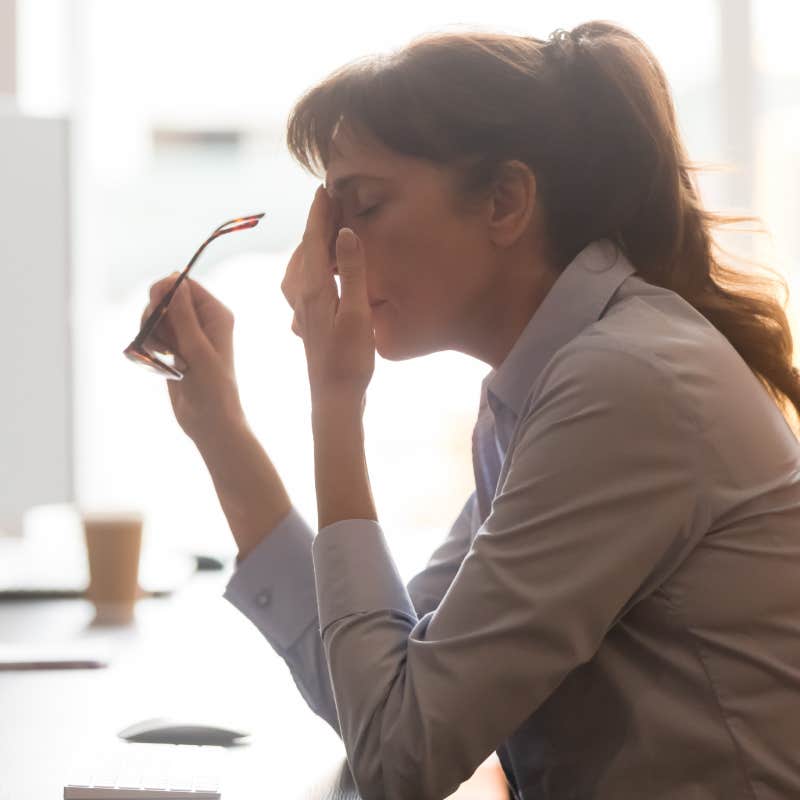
(191, 655)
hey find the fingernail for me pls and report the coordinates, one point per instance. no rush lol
(347, 240)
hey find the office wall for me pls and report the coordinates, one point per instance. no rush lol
(8, 49)
(35, 390)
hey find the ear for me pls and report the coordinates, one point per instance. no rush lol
(512, 203)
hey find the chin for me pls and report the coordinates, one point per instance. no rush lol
(394, 349)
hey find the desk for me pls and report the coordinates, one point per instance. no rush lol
(189, 655)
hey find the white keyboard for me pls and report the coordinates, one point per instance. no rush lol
(150, 772)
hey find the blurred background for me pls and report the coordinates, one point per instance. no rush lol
(130, 130)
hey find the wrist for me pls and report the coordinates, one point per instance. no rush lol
(340, 468)
(346, 407)
(219, 435)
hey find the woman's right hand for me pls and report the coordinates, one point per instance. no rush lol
(198, 329)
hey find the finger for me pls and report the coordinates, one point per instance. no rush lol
(337, 215)
(161, 337)
(189, 335)
(161, 287)
(214, 317)
(296, 328)
(352, 268)
(145, 314)
(157, 292)
(291, 283)
(161, 340)
(203, 300)
(317, 277)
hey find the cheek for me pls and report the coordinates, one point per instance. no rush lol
(425, 305)
(408, 266)
(420, 262)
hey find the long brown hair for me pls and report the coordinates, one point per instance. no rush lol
(591, 113)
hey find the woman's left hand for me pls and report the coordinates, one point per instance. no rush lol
(336, 331)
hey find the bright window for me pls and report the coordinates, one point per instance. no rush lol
(179, 112)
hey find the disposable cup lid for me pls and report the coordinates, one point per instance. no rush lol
(110, 515)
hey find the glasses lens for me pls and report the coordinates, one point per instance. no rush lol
(144, 359)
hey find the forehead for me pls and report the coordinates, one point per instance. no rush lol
(358, 157)
(361, 157)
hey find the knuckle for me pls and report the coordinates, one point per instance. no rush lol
(295, 260)
(310, 293)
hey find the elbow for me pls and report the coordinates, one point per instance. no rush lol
(367, 778)
(366, 758)
(399, 767)
(382, 780)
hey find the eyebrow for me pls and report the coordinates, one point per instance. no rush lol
(340, 184)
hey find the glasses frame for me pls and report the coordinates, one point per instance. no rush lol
(136, 350)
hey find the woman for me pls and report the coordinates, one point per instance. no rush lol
(616, 610)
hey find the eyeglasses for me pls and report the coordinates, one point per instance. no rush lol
(147, 357)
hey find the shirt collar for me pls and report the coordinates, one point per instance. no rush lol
(576, 300)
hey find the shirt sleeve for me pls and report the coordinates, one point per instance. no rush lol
(274, 587)
(601, 501)
(427, 588)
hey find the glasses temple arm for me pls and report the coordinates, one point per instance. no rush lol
(158, 311)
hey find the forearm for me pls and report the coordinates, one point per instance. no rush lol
(250, 491)
(340, 465)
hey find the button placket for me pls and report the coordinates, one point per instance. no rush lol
(485, 461)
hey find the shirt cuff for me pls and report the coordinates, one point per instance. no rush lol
(355, 572)
(273, 586)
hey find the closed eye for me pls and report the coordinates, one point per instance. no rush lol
(368, 211)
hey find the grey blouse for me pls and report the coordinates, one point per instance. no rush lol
(616, 609)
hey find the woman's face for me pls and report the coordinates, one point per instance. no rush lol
(429, 264)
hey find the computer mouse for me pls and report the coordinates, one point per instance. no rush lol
(204, 562)
(171, 731)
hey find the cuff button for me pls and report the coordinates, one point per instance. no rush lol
(263, 597)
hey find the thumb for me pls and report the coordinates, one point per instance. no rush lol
(186, 327)
(352, 270)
